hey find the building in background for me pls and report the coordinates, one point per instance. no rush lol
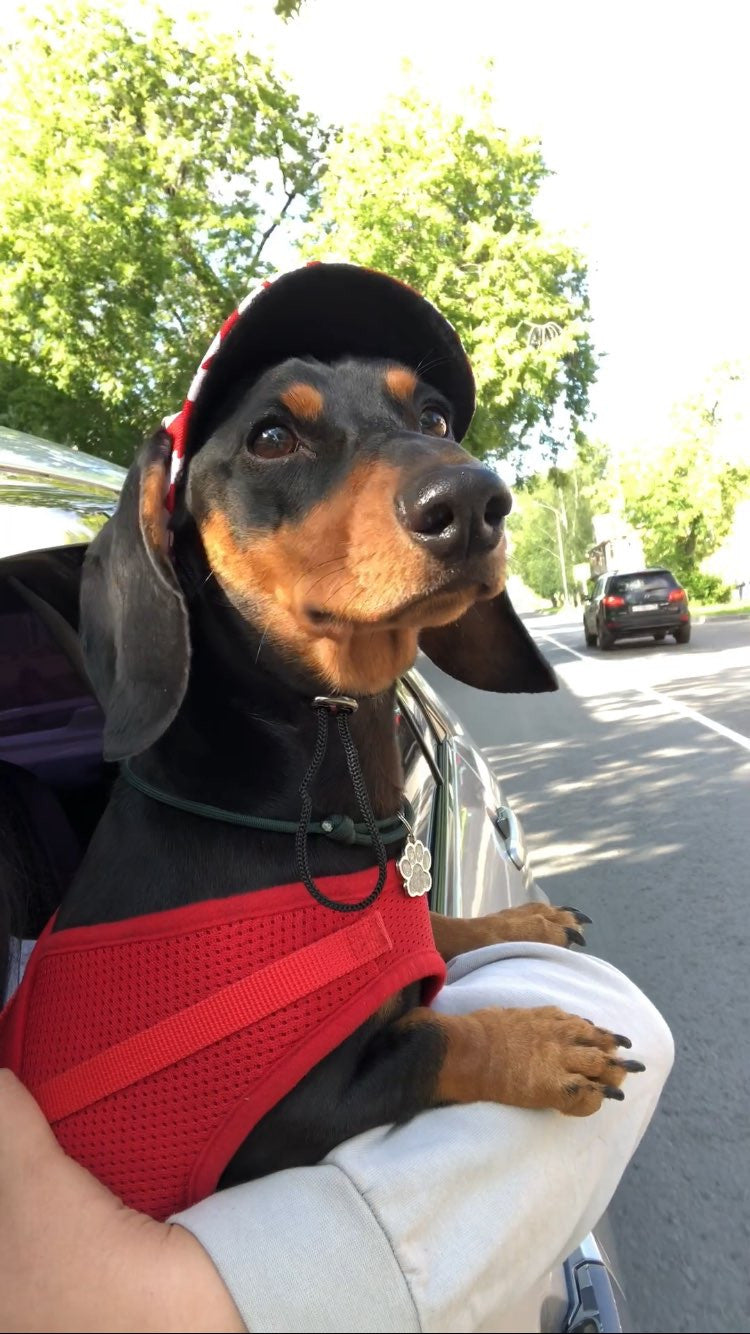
(617, 546)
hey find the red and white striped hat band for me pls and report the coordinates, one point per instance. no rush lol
(176, 426)
(327, 311)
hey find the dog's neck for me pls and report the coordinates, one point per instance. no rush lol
(244, 736)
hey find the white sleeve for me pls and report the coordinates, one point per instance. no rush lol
(445, 1223)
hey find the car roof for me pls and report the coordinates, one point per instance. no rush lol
(51, 495)
(636, 574)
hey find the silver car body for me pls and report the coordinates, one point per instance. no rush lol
(52, 497)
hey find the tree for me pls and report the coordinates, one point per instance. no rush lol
(446, 202)
(682, 496)
(576, 494)
(145, 165)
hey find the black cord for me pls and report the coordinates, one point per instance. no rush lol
(362, 795)
(363, 801)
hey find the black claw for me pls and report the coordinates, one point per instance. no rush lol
(579, 916)
(574, 936)
(635, 1067)
(609, 1092)
(621, 1041)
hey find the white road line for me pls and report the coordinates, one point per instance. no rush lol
(674, 704)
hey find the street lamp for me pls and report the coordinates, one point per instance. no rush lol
(559, 520)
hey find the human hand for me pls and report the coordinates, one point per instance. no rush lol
(74, 1258)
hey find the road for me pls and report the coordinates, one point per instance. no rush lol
(633, 783)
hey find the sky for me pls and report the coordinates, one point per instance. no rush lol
(643, 114)
(642, 111)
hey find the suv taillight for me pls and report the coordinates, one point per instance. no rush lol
(612, 601)
(676, 595)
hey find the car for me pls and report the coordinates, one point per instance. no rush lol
(635, 603)
(52, 502)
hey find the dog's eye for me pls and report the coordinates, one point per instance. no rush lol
(433, 422)
(272, 441)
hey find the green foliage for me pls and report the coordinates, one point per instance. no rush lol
(707, 588)
(288, 9)
(682, 496)
(445, 202)
(145, 164)
(576, 493)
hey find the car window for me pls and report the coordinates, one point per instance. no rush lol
(50, 722)
(39, 688)
(648, 581)
(419, 721)
(598, 589)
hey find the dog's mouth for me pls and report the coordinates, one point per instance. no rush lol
(435, 606)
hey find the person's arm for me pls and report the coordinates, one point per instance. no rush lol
(72, 1257)
(447, 1222)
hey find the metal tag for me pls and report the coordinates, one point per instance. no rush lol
(414, 866)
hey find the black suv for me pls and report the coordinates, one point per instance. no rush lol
(646, 602)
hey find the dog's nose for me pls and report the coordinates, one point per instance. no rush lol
(455, 511)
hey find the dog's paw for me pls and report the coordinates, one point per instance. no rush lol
(545, 1058)
(536, 922)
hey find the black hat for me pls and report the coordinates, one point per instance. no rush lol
(326, 311)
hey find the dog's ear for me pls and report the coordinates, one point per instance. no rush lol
(134, 620)
(491, 649)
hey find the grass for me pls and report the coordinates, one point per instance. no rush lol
(721, 609)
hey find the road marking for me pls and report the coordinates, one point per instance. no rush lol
(683, 710)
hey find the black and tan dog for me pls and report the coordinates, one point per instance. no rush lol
(326, 523)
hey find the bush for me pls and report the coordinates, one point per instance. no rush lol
(707, 587)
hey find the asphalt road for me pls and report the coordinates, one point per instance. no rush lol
(633, 783)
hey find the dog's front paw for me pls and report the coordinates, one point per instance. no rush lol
(545, 1058)
(536, 922)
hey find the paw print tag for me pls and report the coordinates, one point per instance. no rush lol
(415, 866)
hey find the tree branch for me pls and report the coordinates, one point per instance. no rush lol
(201, 265)
(268, 233)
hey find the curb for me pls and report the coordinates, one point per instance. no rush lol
(731, 619)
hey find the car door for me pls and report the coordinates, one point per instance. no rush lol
(592, 606)
(479, 858)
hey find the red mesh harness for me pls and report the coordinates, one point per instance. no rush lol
(154, 1045)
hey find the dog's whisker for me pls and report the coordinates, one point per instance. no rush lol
(342, 587)
(335, 591)
(429, 363)
(329, 574)
(262, 641)
(321, 566)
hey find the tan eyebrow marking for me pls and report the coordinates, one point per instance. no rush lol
(400, 382)
(304, 400)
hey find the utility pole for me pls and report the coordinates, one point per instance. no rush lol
(560, 547)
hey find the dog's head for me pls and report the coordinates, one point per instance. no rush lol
(343, 523)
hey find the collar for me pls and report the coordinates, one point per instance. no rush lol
(370, 833)
(338, 828)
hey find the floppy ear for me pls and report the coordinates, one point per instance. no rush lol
(490, 648)
(134, 621)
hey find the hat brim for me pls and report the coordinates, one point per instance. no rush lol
(329, 311)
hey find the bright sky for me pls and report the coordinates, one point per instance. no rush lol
(642, 109)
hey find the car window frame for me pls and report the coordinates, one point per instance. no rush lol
(431, 745)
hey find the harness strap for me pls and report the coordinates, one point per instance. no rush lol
(224, 1012)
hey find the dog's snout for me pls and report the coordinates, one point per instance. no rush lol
(456, 511)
